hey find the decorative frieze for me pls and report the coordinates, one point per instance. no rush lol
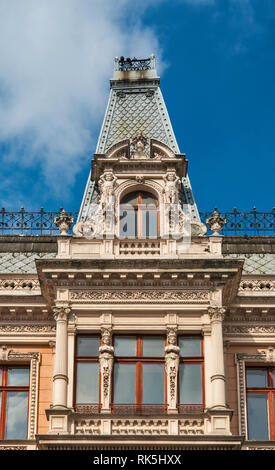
(257, 285)
(147, 296)
(36, 328)
(245, 330)
(27, 285)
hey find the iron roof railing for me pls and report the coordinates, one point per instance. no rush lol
(253, 223)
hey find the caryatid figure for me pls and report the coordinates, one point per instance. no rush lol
(171, 188)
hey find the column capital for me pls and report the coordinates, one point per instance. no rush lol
(61, 312)
(216, 313)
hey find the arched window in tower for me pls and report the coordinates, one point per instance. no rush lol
(139, 216)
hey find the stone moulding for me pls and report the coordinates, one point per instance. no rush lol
(241, 361)
(141, 296)
(33, 360)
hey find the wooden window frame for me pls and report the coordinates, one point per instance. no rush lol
(139, 208)
(191, 408)
(5, 389)
(270, 391)
(139, 359)
(87, 407)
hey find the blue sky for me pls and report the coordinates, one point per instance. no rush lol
(216, 59)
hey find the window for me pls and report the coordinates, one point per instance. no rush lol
(87, 391)
(139, 216)
(14, 397)
(139, 374)
(260, 387)
(190, 374)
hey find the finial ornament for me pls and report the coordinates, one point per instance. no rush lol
(216, 222)
(63, 222)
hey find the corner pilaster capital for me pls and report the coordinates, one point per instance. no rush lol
(216, 314)
(61, 312)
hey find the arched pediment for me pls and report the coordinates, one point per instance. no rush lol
(160, 150)
(119, 150)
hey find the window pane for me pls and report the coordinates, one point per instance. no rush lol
(190, 381)
(148, 199)
(190, 347)
(87, 346)
(153, 346)
(256, 378)
(124, 383)
(153, 383)
(150, 223)
(273, 375)
(0, 376)
(130, 199)
(18, 377)
(257, 416)
(16, 415)
(87, 387)
(128, 222)
(125, 345)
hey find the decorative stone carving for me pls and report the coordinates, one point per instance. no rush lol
(155, 296)
(3, 353)
(61, 313)
(198, 229)
(172, 366)
(248, 330)
(140, 426)
(87, 426)
(139, 143)
(106, 359)
(216, 313)
(191, 426)
(107, 184)
(63, 222)
(172, 183)
(18, 284)
(216, 222)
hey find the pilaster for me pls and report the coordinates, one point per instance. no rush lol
(172, 367)
(106, 360)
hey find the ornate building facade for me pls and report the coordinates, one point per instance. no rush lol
(140, 329)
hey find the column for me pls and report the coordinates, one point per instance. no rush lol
(71, 359)
(106, 360)
(208, 362)
(60, 377)
(172, 367)
(218, 378)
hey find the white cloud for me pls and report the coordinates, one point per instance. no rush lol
(56, 57)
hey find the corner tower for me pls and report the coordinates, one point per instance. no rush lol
(136, 106)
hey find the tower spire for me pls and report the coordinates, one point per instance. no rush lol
(136, 106)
